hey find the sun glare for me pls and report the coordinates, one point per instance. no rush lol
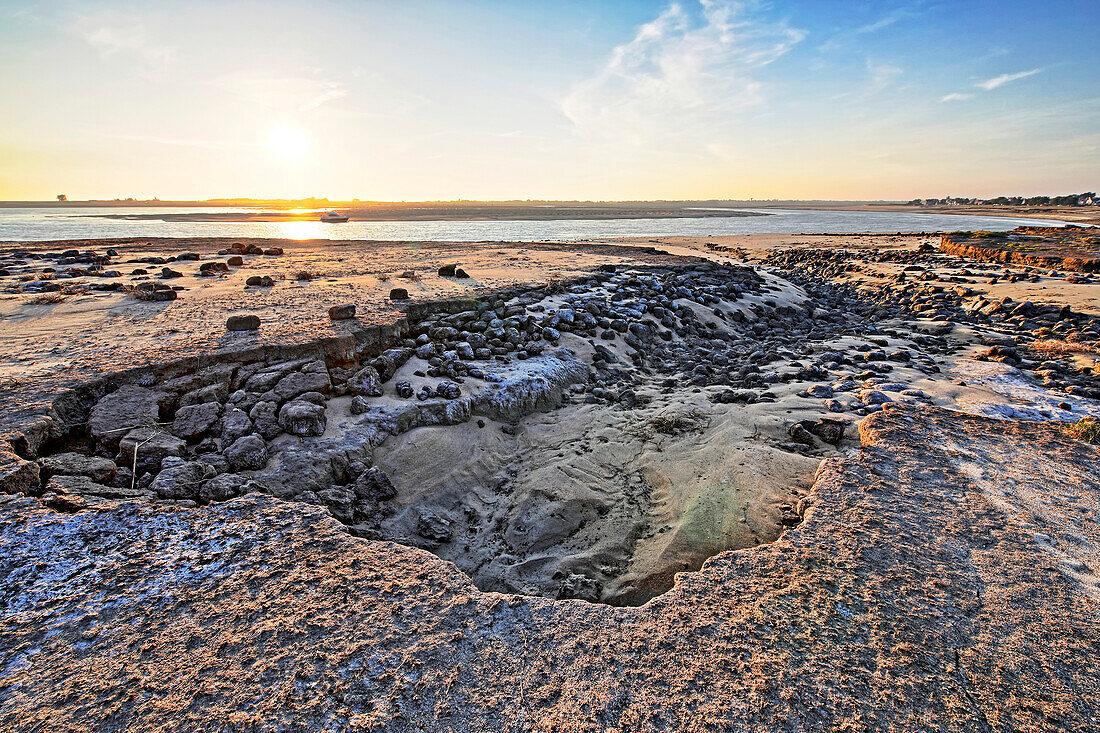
(287, 141)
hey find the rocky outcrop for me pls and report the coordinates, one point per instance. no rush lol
(917, 594)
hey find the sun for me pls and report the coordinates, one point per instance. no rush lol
(288, 141)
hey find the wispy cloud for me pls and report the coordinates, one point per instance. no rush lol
(999, 81)
(686, 70)
(844, 39)
(119, 38)
(882, 75)
(989, 85)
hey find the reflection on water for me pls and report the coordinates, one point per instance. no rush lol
(303, 229)
(83, 223)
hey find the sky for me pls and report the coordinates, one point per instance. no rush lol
(437, 100)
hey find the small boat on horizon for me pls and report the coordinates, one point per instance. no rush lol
(334, 217)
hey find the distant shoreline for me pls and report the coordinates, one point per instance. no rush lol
(283, 210)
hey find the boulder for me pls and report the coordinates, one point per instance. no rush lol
(223, 487)
(153, 445)
(366, 382)
(399, 294)
(341, 312)
(297, 383)
(302, 418)
(389, 361)
(242, 323)
(235, 424)
(265, 418)
(248, 453)
(831, 431)
(126, 408)
(17, 476)
(183, 480)
(194, 421)
(98, 469)
(374, 485)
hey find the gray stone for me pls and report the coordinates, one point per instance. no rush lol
(194, 421)
(210, 393)
(302, 418)
(126, 408)
(98, 469)
(374, 485)
(248, 453)
(235, 424)
(366, 382)
(182, 481)
(296, 383)
(434, 528)
(223, 487)
(153, 445)
(265, 418)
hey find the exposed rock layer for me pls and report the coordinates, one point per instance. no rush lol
(914, 596)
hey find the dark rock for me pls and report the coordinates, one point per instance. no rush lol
(248, 453)
(223, 487)
(235, 424)
(183, 480)
(399, 294)
(126, 408)
(831, 431)
(448, 390)
(341, 312)
(242, 323)
(366, 382)
(98, 469)
(447, 270)
(17, 476)
(265, 419)
(374, 485)
(297, 383)
(152, 444)
(194, 421)
(434, 528)
(302, 418)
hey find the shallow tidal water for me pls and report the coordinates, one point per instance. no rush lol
(25, 225)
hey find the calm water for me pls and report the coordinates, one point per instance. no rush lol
(26, 225)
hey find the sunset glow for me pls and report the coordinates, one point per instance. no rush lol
(287, 141)
(604, 100)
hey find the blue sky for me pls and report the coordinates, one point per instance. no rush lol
(603, 100)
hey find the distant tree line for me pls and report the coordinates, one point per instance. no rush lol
(1074, 199)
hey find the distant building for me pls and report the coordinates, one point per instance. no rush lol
(62, 197)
